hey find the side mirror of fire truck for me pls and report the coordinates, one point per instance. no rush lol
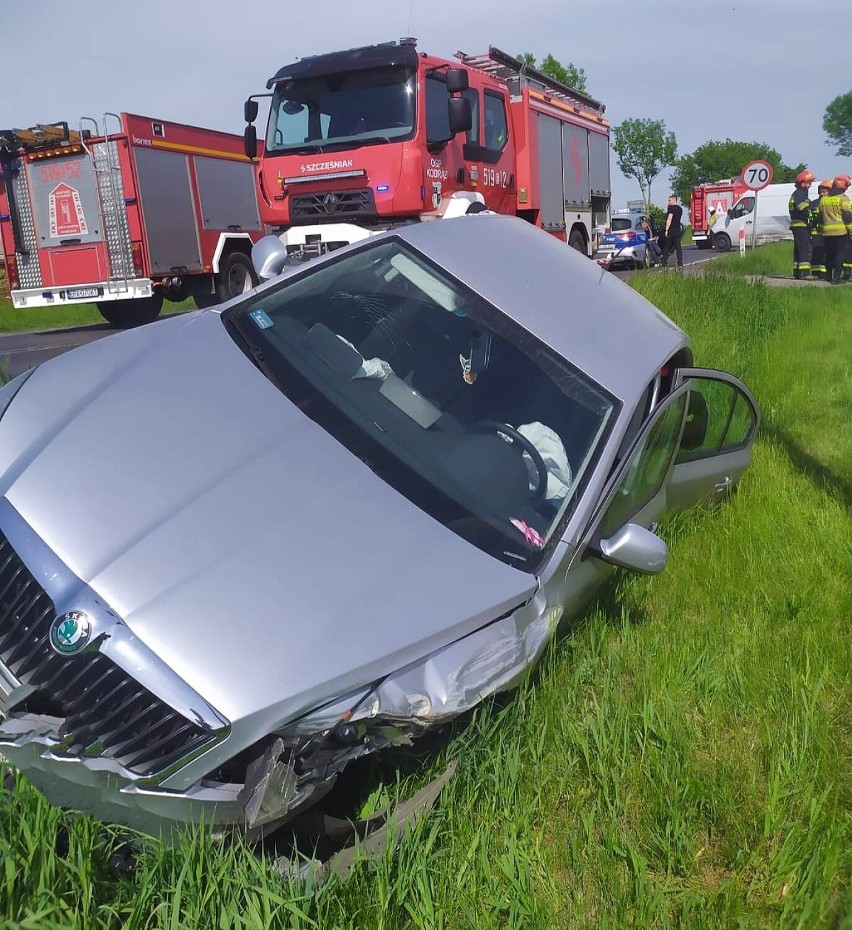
(457, 80)
(460, 114)
(250, 111)
(250, 141)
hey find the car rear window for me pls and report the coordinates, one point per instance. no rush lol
(620, 223)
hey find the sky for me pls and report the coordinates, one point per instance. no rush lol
(751, 70)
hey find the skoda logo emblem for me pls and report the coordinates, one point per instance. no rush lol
(70, 632)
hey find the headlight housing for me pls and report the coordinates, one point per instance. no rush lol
(11, 388)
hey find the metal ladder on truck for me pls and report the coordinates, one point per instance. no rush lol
(110, 188)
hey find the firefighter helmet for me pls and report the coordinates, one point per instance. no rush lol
(825, 185)
(842, 181)
(805, 177)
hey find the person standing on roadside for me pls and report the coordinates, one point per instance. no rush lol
(817, 240)
(836, 214)
(800, 208)
(673, 232)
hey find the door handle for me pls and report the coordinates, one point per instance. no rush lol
(722, 487)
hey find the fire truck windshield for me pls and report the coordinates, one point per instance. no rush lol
(342, 110)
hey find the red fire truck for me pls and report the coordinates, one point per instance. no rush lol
(125, 214)
(709, 201)
(360, 140)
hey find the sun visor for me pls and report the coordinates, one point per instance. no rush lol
(354, 59)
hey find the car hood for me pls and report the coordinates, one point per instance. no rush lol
(258, 557)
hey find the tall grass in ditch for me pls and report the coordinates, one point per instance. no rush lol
(681, 758)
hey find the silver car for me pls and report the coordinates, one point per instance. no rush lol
(245, 546)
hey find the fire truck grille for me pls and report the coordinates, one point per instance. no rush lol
(336, 205)
(106, 711)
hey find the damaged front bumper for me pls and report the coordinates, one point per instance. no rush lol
(103, 789)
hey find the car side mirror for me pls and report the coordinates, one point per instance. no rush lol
(268, 255)
(460, 114)
(250, 142)
(731, 213)
(635, 548)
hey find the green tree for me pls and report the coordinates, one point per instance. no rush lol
(567, 73)
(714, 161)
(837, 123)
(643, 147)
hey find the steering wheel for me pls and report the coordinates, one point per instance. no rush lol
(495, 426)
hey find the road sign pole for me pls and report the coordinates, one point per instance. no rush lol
(754, 222)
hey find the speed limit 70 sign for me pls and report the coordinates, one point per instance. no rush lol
(757, 175)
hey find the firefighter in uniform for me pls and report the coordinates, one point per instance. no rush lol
(800, 208)
(817, 241)
(836, 214)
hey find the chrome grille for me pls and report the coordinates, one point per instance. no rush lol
(106, 712)
(335, 205)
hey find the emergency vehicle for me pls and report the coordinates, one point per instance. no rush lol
(126, 214)
(707, 203)
(358, 141)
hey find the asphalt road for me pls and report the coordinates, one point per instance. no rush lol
(21, 351)
(691, 256)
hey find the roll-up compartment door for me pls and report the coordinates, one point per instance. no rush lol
(575, 161)
(168, 210)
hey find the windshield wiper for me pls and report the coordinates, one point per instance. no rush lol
(299, 150)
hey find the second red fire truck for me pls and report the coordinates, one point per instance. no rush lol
(360, 140)
(125, 214)
(707, 203)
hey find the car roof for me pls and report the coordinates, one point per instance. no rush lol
(582, 312)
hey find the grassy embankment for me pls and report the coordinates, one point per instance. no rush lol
(680, 759)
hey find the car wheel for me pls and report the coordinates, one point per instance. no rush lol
(125, 314)
(646, 258)
(236, 276)
(722, 242)
(578, 241)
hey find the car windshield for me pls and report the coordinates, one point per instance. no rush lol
(342, 110)
(447, 399)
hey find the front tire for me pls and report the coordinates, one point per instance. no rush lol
(236, 276)
(722, 242)
(125, 314)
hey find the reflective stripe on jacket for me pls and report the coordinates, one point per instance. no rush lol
(815, 218)
(836, 214)
(800, 205)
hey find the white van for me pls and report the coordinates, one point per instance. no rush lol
(773, 217)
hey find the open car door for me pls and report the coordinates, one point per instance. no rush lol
(715, 447)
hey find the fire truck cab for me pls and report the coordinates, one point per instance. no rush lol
(360, 140)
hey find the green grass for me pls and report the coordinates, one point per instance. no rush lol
(681, 758)
(773, 259)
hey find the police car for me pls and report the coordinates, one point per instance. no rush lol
(625, 242)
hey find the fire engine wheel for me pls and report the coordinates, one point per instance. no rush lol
(236, 276)
(125, 314)
(577, 241)
(722, 242)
